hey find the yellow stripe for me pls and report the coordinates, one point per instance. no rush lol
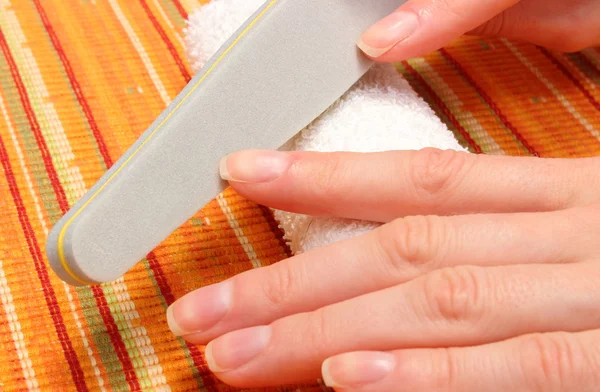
(61, 237)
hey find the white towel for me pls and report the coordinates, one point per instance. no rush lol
(380, 113)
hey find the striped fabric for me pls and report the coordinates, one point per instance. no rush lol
(81, 79)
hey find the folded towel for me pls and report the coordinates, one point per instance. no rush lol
(380, 112)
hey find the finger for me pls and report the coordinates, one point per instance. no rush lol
(536, 362)
(384, 186)
(561, 26)
(452, 307)
(392, 254)
(422, 26)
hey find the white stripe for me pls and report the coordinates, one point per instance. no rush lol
(139, 336)
(239, 233)
(561, 98)
(15, 332)
(454, 103)
(141, 52)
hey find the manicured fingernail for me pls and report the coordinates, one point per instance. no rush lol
(236, 349)
(357, 369)
(200, 310)
(255, 166)
(387, 33)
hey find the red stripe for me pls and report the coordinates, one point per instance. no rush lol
(35, 127)
(42, 273)
(572, 78)
(115, 337)
(476, 148)
(490, 102)
(75, 85)
(166, 40)
(52, 174)
(180, 8)
(167, 293)
(275, 228)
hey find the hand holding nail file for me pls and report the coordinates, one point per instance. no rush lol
(284, 67)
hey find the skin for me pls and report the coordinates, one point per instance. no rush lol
(485, 273)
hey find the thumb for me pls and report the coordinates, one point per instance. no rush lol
(422, 26)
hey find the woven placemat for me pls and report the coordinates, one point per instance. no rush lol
(81, 79)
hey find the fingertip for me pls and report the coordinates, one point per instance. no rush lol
(254, 166)
(172, 323)
(388, 33)
(370, 51)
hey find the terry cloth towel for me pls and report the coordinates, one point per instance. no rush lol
(380, 112)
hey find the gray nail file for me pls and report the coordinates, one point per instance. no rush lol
(288, 63)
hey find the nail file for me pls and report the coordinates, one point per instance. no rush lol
(283, 68)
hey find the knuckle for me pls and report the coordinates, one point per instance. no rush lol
(319, 333)
(278, 288)
(441, 370)
(456, 294)
(492, 28)
(414, 242)
(450, 8)
(550, 359)
(435, 173)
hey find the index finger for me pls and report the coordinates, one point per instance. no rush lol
(387, 185)
(422, 26)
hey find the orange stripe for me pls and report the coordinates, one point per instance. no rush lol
(473, 103)
(571, 138)
(170, 47)
(529, 118)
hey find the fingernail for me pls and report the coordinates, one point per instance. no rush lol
(236, 349)
(387, 33)
(200, 310)
(255, 166)
(357, 369)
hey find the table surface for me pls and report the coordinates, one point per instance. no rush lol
(80, 80)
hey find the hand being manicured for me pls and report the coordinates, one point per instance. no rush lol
(484, 277)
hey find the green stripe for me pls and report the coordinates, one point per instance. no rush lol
(32, 152)
(173, 13)
(108, 356)
(16, 49)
